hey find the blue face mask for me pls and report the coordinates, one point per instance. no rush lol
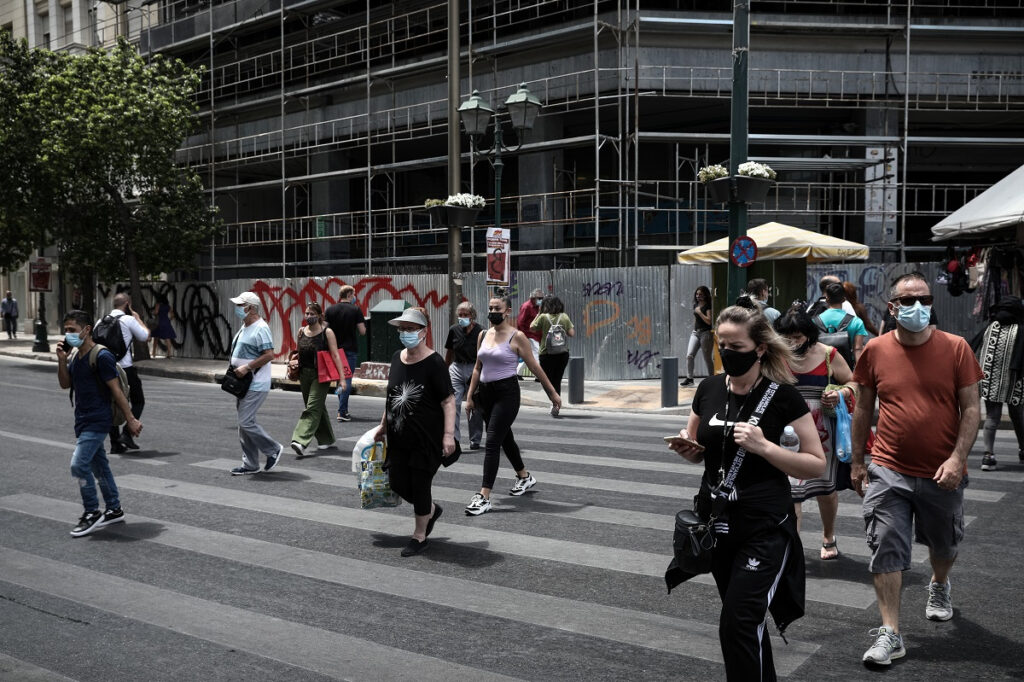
(914, 318)
(409, 339)
(73, 339)
(240, 312)
(464, 321)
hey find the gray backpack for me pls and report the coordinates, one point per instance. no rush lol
(557, 339)
(837, 336)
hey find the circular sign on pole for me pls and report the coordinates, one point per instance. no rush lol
(743, 252)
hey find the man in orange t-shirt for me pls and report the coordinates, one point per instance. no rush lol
(926, 382)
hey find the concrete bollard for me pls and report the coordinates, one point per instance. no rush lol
(575, 380)
(669, 382)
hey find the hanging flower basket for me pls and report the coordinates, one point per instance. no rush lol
(752, 190)
(438, 214)
(719, 189)
(461, 215)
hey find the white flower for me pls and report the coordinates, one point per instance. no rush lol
(709, 173)
(466, 200)
(756, 170)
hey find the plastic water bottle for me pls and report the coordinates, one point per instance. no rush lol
(790, 440)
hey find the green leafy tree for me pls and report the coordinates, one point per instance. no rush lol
(109, 126)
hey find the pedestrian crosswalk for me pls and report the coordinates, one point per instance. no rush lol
(571, 573)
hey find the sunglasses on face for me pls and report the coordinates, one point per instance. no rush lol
(907, 301)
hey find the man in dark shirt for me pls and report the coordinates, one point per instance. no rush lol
(347, 322)
(93, 387)
(460, 354)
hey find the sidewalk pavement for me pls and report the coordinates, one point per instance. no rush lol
(632, 395)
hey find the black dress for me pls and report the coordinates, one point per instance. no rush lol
(415, 417)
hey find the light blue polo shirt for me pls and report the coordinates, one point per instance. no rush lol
(250, 343)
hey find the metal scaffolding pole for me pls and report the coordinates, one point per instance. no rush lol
(454, 161)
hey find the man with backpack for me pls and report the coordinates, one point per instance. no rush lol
(839, 328)
(117, 331)
(817, 307)
(96, 391)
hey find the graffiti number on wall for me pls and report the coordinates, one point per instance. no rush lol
(603, 288)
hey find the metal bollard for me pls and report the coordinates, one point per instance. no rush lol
(669, 382)
(575, 380)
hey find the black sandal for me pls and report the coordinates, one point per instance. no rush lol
(830, 545)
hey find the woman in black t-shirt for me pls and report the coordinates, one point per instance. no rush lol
(757, 546)
(700, 338)
(419, 422)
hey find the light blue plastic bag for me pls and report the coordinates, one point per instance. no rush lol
(844, 445)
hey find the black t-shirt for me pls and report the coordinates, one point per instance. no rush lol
(768, 487)
(462, 341)
(698, 322)
(414, 414)
(343, 318)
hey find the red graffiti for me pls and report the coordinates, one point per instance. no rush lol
(285, 303)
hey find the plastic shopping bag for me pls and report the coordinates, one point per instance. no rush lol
(844, 445)
(361, 451)
(374, 485)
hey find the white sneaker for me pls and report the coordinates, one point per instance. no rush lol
(297, 448)
(940, 605)
(888, 645)
(478, 505)
(522, 485)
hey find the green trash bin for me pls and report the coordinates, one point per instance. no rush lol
(383, 340)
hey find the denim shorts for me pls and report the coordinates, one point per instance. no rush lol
(895, 503)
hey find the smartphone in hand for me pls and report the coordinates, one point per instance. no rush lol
(687, 441)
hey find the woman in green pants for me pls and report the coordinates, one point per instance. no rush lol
(314, 422)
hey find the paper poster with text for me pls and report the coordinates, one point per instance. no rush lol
(499, 262)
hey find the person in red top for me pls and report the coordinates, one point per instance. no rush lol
(926, 382)
(527, 311)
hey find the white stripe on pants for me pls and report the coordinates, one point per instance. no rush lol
(254, 439)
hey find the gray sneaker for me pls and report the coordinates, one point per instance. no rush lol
(888, 645)
(940, 605)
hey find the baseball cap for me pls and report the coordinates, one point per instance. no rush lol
(409, 315)
(246, 298)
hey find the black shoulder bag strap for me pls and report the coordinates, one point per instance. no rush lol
(725, 490)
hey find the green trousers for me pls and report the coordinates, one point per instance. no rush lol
(314, 420)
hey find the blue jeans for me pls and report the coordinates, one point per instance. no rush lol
(353, 362)
(89, 461)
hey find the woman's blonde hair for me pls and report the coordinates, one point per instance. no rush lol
(777, 354)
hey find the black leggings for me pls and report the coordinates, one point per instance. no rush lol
(554, 366)
(499, 401)
(413, 486)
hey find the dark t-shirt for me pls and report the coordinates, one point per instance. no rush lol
(414, 413)
(772, 490)
(462, 342)
(698, 323)
(92, 401)
(343, 318)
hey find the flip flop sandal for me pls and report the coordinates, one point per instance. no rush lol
(830, 545)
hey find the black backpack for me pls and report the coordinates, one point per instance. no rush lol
(837, 337)
(107, 332)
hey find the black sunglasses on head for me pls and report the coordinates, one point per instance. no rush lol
(907, 301)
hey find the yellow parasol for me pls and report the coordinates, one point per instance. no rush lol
(776, 241)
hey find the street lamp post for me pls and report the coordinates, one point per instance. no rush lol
(522, 108)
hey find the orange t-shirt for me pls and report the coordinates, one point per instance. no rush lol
(918, 408)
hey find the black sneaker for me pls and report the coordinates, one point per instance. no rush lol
(988, 462)
(117, 448)
(129, 442)
(242, 471)
(414, 547)
(345, 417)
(686, 382)
(474, 446)
(273, 460)
(1020, 456)
(89, 522)
(111, 516)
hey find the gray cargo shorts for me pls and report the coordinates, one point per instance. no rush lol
(895, 503)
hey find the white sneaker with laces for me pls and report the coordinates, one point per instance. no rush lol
(478, 505)
(888, 646)
(940, 604)
(522, 485)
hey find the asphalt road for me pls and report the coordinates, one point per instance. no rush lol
(280, 576)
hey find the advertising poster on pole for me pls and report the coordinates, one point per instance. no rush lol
(499, 262)
(39, 275)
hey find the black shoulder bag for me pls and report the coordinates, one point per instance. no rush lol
(232, 383)
(694, 537)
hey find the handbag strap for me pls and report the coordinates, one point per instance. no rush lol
(729, 481)
(828, 362)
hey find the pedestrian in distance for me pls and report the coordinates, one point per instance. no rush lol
(859, 309)
(132, 329)
(418, 421)
(820, 305)
(815, 366)
(9, 311)
(700, 337)
(346, 320)
(494, 389)
(555, 329)
(757, 560)
(1001, 354)
(252, 349)
(926, 383)
(834, 319)
(758, 290)
(460, 356)
(90, 371)
(527, 312)
(314, 337)
(163, 334)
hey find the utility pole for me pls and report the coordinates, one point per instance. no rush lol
(454, 161)
(738, 137)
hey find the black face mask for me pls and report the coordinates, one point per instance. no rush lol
(737, 363)
(495, 318)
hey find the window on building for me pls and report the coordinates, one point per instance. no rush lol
(43, 29)
(69, 23)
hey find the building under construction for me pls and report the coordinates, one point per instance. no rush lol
(323, 124)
